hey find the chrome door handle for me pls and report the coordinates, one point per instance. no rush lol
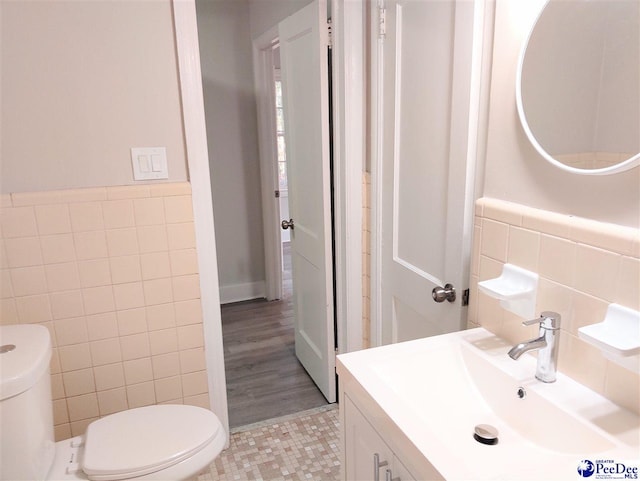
(287, 224)
(440, 294)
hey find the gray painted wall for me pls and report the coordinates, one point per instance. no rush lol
(230, 110)
(82, 83)
(226, 29)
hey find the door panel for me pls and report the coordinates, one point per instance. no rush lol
(423, 166)
(303, 50)
(423, 79)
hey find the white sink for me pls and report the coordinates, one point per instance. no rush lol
(438, 389)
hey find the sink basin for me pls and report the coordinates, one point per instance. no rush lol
(438, 389)
(476, 390)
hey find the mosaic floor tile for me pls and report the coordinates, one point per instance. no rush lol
(303, 446)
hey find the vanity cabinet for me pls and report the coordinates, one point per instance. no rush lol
(369, 435)
(416, 405)
(367, 456)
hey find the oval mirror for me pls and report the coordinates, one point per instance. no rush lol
(578, 85)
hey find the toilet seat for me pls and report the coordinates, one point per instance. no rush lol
(145, 440)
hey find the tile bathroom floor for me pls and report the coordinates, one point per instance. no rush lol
(302, 446)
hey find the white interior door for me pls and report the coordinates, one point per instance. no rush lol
(425, 203)
(303, 51)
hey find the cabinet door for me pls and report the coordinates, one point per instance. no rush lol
(362, 443)
(400, 472)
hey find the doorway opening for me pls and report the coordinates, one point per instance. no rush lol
(265, 379)
(228, 46)
(214, 35)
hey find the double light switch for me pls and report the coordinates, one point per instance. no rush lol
(149, 163)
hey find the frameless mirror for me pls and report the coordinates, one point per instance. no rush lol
(578, 85)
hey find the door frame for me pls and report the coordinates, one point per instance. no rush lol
(349, 150)
(190, 77)
(349, 89)
(263, 66)
(475, 143)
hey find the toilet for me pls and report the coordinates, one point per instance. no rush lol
(162, 442)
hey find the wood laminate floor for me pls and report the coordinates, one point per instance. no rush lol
(264, 377)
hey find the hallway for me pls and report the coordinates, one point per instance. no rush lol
(264, 377)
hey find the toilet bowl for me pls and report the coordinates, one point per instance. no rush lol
(164, 442)
(161, 442)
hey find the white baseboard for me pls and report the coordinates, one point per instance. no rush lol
(242, 292)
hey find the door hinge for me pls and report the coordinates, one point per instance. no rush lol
(277, 193)
(465, 297)
(382, 22)
(329, 33)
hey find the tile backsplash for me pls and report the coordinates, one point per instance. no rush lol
(112, 272)
(583, 266)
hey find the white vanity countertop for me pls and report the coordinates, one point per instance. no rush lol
(437, 389)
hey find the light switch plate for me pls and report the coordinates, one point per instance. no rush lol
(149, 163)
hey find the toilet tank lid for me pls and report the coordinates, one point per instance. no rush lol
(25, 352)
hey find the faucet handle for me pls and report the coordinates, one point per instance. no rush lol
(547, 320)
(538, 320)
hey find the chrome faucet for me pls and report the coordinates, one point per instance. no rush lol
(547, 345)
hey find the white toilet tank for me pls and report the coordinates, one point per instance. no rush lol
(26, 412)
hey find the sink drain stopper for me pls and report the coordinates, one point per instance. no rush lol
(7, 348)
(486, 434)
